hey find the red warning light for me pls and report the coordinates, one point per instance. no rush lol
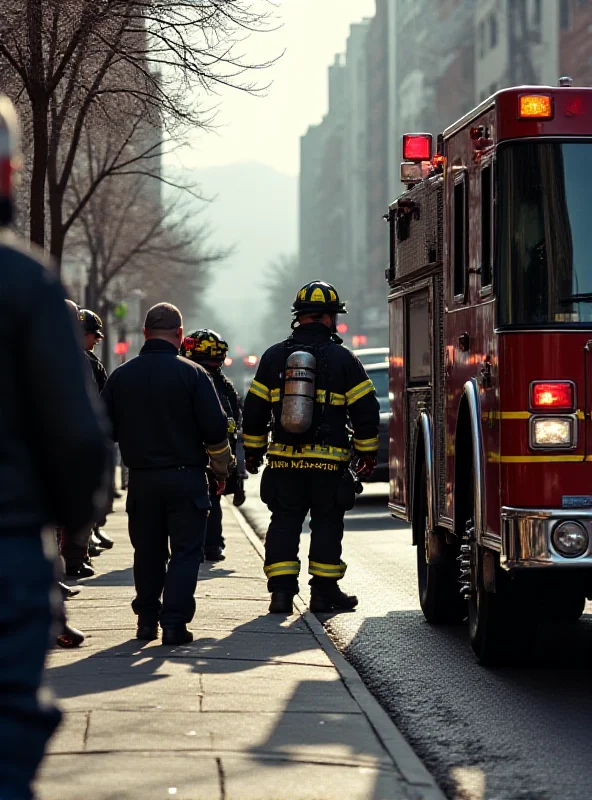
(342, 327)
(555, 396)
(417, 146)
(228, 361)
(121, 348)
(359, 340)
(251, 361)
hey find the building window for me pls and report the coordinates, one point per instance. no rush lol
(493, 31)
(481, 39)
(564, 14)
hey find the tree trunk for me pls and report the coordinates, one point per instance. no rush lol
(39, 174)
(57, 234)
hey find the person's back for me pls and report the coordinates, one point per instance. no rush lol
(169, 423)
(47, 423)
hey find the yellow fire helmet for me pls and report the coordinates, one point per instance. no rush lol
(318, 296)
(205, 345)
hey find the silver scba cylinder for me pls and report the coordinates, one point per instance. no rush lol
(299, 392)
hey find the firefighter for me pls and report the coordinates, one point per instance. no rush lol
(306, 392)
(207, 348)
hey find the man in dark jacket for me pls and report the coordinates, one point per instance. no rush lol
(207, 348)
(47, 424)
(169, 423)
(308, 469)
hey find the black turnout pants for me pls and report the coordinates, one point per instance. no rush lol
(214, 537)
(167, 508)
(290, 493)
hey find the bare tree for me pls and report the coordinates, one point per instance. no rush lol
(78, 67)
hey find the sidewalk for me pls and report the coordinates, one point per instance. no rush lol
(253, 709)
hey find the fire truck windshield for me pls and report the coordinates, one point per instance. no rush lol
(544, 194)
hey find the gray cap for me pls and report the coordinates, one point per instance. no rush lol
(163, 317)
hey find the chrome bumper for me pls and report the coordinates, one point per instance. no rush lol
(526, 538)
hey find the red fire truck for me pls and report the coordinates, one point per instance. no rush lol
(490, 298)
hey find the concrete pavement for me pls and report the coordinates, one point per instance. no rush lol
(256, 708)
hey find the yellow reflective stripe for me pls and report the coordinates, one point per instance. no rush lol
(275, 395)
(327, 570)
(282, 568)
(335, 399)
(254, 441)
(310, 451)
(219, 451)
(525, 414)
(366, 445)
(259, 390)
(538, 459)
(359, 391)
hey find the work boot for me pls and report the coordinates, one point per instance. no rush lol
(68, 591)
(102, 539)
(84, 570)
(70, 637)
(94, 549)
(214, 554)
(282, 603)
(331, 599)
(239, 496)
(147, 631)
(176, 634)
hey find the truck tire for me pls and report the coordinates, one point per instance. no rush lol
(439, 589)
(567, 607)
(502, 628)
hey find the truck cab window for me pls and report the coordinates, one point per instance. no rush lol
(486, 226)
(460, 239)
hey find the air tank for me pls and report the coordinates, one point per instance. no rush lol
(299, 392)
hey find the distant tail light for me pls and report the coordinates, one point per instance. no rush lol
(552, 396)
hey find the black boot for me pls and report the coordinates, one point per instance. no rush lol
(70, 637)
(214, 554)
(176, 634)
(67, 591)
(84, 570)
(103, 540)
(331, 599)
(147, 631)
(281, 603)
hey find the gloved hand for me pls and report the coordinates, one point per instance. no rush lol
(252, 464)
(364, 464)
(221, 486)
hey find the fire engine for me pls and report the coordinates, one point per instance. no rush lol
(490, 306)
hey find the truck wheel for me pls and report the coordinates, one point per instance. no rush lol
(501, 629)
(439, 590)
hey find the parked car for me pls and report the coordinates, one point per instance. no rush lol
(379, 375)
(373, 355)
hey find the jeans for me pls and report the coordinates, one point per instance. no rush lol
(26, 721)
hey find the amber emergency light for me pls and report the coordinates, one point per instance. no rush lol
(535, 106)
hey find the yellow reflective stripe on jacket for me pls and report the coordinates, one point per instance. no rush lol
(326, 452)
(259, 390)
(219, 451)
(327, 570)
(254, 441)
(366, 445)
(359, 391)
(275, 395)
(335, 399)
(282, 568)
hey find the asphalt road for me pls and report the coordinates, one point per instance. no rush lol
(504, 734)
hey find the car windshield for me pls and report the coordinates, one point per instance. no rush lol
(544, 260)
(373, 356)
(380, 379)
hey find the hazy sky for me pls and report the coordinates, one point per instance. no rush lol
(267, 129)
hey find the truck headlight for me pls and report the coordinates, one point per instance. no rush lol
(570, 539)
(552, 432)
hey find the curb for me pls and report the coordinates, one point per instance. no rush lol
(406, 761)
